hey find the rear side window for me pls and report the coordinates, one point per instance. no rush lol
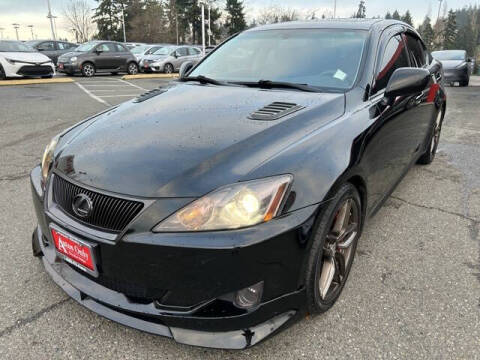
(108, 47)
(120, 48)
(394, 57)
(182, 52)
(416, 52)
(47, 45)
(64, 46)
(193, 51)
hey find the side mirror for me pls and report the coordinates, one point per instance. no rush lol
(407, 81)
(175, 55)
(98, 51)
(185, 69)
(470, 60)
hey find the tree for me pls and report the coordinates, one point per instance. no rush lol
(450, 31)
(426, 31)
(362, 9)
(407, 18)
(79, 17)
(235, 17)
(276, 14)
(396, 15)
(107, 18)
(388, 15)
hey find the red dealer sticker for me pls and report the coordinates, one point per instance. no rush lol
(75, 252)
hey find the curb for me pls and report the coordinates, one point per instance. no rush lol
(35, 81)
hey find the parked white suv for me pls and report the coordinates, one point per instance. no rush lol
(18, 60)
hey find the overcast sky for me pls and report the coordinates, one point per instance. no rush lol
(33, 12)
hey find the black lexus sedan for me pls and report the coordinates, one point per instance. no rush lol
(223, 208)
(98, 57)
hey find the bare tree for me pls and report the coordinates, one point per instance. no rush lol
(276, 14)
(79, 16)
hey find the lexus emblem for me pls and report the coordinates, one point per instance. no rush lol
(82, 205)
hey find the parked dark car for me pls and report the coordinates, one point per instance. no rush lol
(53, 49)
(221, 209)
(456, 65)
(98, 57)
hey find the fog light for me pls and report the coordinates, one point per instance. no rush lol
(250, 296)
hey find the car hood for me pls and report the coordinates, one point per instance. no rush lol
(68, 55)
(188, 140)
(25, 56)
(452, 64)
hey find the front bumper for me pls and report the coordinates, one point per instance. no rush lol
(68, 67)
(20, 69)
(151, 68)
(195, 307)
(456, 75)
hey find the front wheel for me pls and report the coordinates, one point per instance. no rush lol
(429, 155)
(2, 73)
(465, 82)
(88, 70)
(169, 69)
(132, 69)
(333, 249)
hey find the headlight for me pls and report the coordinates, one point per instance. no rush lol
(74, 58)
(231, 207)
(10, 61)
(47, 158)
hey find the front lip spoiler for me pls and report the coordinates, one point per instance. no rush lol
(238, 339)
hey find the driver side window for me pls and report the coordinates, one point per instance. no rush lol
(394, 57)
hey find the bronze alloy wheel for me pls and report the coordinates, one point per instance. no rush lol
(333, 248)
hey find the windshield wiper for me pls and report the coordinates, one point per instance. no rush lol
(268, 84)
(203, 80)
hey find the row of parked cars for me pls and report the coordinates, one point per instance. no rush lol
(44, 57)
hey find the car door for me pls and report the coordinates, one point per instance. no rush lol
(388, 145)
(104, 57)
(49, 49)
(182, 56)
(123, 54)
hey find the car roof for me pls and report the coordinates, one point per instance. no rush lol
(347, 23)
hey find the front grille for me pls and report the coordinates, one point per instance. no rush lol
(29, 70)
(108, 213)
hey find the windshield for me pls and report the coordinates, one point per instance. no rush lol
(140, 49)
(164, 50)
(318, 57)
(86, 47)
(15, 46)
(449, 55)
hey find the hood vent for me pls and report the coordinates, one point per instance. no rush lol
(274, 111)
(149, 95)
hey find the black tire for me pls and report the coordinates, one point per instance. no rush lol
(429, 155)
(465, 82)
(132, 68)
(88, 69)
(321, 247)
(168, 69)
(2, 73)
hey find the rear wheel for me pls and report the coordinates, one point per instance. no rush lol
(333, 249)
(2, 73)
(132, 68)
(168, 69)
(88, 69)
(465, 82)
(431, 151)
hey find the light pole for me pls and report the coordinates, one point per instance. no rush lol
(123, 21)
(202, 3)
(16, 26)
(334, 9)
(1, 32)
(31, 29)
(209, 26)
(49, 16)
(439, 7)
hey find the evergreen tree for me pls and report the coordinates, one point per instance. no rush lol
(235, 16)
(108, 20)
(407, 18)
(450, 31)
(361, 12)
(388, 15)
(426, 31)
(396, 15)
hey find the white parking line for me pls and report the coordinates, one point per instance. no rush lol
(93, 96)
(129, 83)
(109, 96)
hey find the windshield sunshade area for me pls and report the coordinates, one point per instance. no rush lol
(15, 46)
(323, 58)
(449, 55)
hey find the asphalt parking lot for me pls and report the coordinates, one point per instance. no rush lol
(414, 290)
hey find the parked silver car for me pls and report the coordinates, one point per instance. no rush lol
(169, 59)
(148, 49)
